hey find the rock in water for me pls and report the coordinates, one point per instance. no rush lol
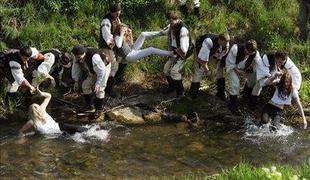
(127, 115)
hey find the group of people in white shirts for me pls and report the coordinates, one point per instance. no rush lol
(94, 69)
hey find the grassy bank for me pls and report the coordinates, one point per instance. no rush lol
(62, 24)
(245, 171)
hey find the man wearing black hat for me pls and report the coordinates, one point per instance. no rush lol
(90, 68)
(107, 43)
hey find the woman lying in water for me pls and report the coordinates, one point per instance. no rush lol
(132, 51)
(43, 123)
(283, 95)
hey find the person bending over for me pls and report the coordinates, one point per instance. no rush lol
(283, 95)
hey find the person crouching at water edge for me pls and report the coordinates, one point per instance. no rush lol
(43, 123)
(283, 95)
(132, 51)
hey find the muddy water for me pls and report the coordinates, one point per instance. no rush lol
(156, 150)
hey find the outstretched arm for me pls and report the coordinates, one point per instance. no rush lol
(301, 111)
(47, 98)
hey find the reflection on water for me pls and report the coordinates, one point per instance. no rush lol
(144, 151)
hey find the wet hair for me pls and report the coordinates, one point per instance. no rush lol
(35, 113)
(26, 51)
(78, 49)
(251, 45)
(281, 54)
(282, 89)
(115, 7)
(224, 37)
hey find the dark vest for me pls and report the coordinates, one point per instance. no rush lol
(5, 60)
(124, 50)
(201, 39)
(176, 32)
(102, 43)
(271, 61)
(88, 59)
(241, 55)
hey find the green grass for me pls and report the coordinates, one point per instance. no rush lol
(245, 171)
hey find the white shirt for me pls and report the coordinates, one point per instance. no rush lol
(184, 38)
(106, 30)
(294, 72)
(204, 52)
(17, 72)
(262, 68)
(286, 100)
(232, 58)
(46, 65)
(98, 66)
(49, 127)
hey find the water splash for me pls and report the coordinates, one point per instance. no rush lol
(254, 132)
(94, 133)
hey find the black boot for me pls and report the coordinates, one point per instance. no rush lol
(88, 103)
(232, 106)
(170, 88)
(247, 91)
(184, 10)
(119, 76)
(179, 88)
(98, 107)
(109, 88)
(221, 89)
(197, 11)
(194, 90)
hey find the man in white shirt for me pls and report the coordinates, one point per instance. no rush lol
(107, 43)
(14, 64)
(179, 42)
(240, 62)
(91, 70)
(210, 46)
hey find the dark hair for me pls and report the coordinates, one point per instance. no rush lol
(224, 37)
(251, 45)
(26, 51)
(172, 15)
(78, 49)
(65, 59)
(285, 91)
(281, 54)
(115, 7)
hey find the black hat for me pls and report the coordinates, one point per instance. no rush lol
(115, 8)
(78, 49)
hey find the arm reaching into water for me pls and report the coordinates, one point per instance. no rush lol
(300, 109)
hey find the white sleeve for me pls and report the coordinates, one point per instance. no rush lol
(231, 57)
(99, 68)
(17, 72)
(106, 31)
(165, 31)
(47, 64)
(119, 41)
(262, 68)
(204, 52)
(76, 71)
(295, 93)
(184, 40)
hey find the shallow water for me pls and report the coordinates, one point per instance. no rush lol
(153, 150)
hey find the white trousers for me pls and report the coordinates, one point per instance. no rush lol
(89, 83)
(234, 81)
(199, 72)
(174, 68)
(138, 53)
